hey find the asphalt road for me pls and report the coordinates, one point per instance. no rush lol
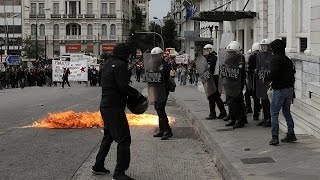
(36, 153)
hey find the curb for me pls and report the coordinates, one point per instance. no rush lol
(227, 170)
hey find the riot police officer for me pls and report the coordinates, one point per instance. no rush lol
(215, 98)
(250, 85)
(157, 66)
(263, 63)
(232, 78)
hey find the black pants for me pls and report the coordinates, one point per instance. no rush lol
(266, 109)
(116, 129)
(160, 107)
(65, 80)
(256, 102)
(237, 108)
(138, 74)
(216, 99)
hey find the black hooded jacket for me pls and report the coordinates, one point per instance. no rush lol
(115, 80)
(282, 69)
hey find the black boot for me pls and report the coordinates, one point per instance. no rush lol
(227, 118)
(238, 124)
(159, 134)
(222, 115)
(267, 123)
(210, 117)
(167, 134)
(232, 123)
(290, 138)
(261, 122)
(274, 141)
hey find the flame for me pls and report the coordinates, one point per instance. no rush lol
(71, 119)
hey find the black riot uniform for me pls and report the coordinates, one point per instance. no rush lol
(115, 92)
(251, 92)
(266, 121)
(236, 104)
(165, 131)
(215, 98)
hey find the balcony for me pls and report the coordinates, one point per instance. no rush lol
(108, 16)
(72, 37)
(113, 37)
(55, 16)
(88, 16)
(39, 16)
(73, 16)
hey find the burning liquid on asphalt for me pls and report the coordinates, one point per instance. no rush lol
(71, 119)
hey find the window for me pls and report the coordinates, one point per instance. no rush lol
(90, 30)
(56, 8)
(56, 30)
(42, 30)
(33, 8)
(113, 29)
(33, 30)
(104, 30)
(112, 8)
(89, 8)
(41, 8)
(303, 44)
(104, 8)
(73, 29)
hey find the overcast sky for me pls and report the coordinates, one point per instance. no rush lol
(159, 8)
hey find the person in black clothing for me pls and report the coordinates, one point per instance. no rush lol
(252, 92)
(214, 99)
(236, 104)
(165, 131)
(115, 92)
(282, 79)
(65, 76)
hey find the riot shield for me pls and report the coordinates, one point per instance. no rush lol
(249, 74)
(263, 68)
(154, 77)
(205, 76)
(230, 72)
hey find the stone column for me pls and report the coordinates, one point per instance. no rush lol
(274, 19)
(315, 27)
(292, 26)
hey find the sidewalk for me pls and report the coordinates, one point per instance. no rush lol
(245, 153)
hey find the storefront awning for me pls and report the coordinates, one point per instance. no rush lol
(220, 16)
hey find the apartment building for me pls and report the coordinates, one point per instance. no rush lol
(144, 6)
(73, 26)
(10, 27)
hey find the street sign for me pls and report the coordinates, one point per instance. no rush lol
(13, 60)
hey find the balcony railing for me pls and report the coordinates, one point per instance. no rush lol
(113, 37)
(108, 15)
(55, 16)
(39, 16)
(89, 16)
(72, 15)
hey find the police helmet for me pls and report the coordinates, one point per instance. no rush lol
(234, 45)
(255, 47)
(264, 45)
(138, 105)
(156, 50)
(207, 49)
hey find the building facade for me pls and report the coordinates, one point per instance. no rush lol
(144, 7)
(296, 22)
(188, 30)
(10, 27)
(74, 26)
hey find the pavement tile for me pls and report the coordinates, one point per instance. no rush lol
(292, 161)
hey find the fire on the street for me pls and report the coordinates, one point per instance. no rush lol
(70, 119)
